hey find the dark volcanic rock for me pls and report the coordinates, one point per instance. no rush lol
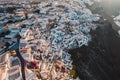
(100, 59)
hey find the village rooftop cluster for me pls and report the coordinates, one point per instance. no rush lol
(38, 37)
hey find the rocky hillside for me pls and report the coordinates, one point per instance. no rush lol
(100, 59)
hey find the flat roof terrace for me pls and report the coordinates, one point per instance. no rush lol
(1, 72)
(2, 44)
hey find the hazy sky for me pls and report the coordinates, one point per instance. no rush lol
(110, 3)
(113, 2)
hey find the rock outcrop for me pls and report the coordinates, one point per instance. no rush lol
(100, 59)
